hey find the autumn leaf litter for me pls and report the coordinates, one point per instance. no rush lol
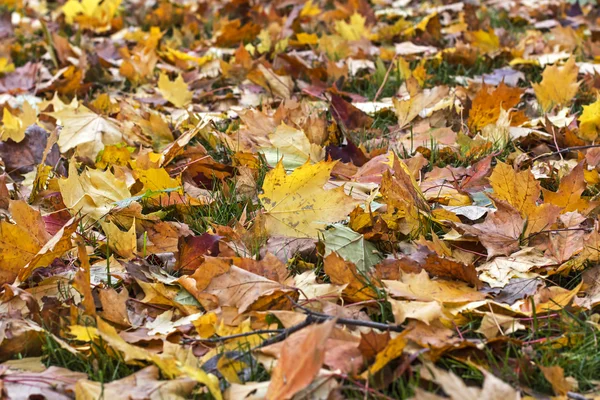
(311, 199)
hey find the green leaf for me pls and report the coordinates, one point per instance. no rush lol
(351, 246)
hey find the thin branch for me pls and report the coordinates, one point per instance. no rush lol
(565, 150)
(349, 322)
(385, 79)
(236, 336)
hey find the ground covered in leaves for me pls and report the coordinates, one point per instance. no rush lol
(299, 199)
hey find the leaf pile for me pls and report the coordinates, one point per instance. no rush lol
(318, 199)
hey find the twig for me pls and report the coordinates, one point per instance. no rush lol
(565, 150)
(312, 317)
(237, 335)
(236, 355)
(385, 78)
(349, 322)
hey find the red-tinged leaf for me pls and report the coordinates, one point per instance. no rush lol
(192, 250)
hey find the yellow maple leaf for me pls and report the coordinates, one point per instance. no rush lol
(355, 30)
(6, 66)
(121, 242)
(14, 126)
(93, 193)
(91, 14)
(85, 130)
(589, 121)
(20, 242)
(558, 86)
(157, 179)
(293, 145)
(307, 38)
(296, 205)
(175, 91)
(310, 9)
(484, 41)
(519, 189)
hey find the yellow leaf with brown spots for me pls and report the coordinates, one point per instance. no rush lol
(520, 189)
(297, 205)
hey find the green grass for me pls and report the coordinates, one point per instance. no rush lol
(225, 207)
(367, 84)
(560, 338)
(101, 365)
(444, 72)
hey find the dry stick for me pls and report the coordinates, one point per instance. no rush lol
(385, 78)
(311, 317)
(350, 322)
(565, 150)
(236, 336)
(236, 355)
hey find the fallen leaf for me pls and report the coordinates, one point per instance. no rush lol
(297, 205)
(351, 246)
(488, 104)
(420, 287)
(85, 130)
(558, 86)
(299, 365)
(501, 230)
(176, 92)
(555, 375)
(142, 384)
(519, 189)
(589, 121)
(345, 273)
(93, 193)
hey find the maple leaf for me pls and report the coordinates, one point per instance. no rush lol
(558, 86)
(487, 105)
(293, 146)
(570, 189)
(520, 189)
(122, 243)
(176, 92)
(15, 126)
(589, 121)
(421, 288)
(354, 30)
(299, 364)
(26, 245)
(20, 242)
(85, 130)
(93, 193)
(297, 205)
(407, 110)
(501, 231)
(92, 14)
(141, 384)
